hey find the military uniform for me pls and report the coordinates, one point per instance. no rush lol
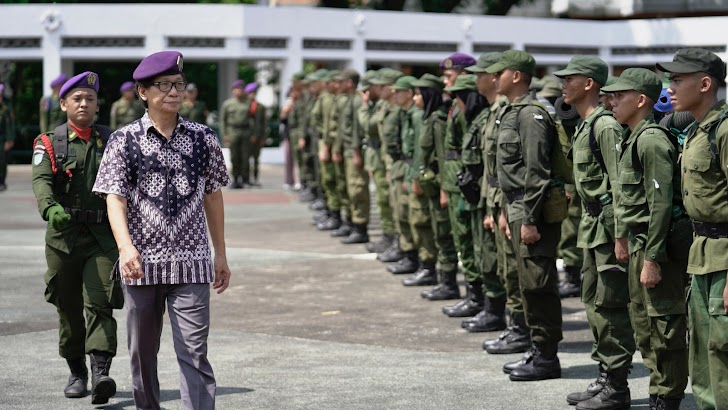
(51, 114)
(194, 111)
(337, 149)
(236, 124)
(7, 134)
(258, 131)
(125, 112)
(324, 117)
(645, 205)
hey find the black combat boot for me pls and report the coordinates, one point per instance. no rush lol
(332, 223)
(614, 395)
(543, 365)
(392, 254)
(492, 318)
(344, 230)
(508, 367)
(515, 339)
(382, 244)
(320, 216)
(473, 302)
(78, 379)
(318, 204)
(102, 386)
(653, 402)
(446, 289)
(425, 276)
(306, 195)
(591, 390)
(408, 264)
(571, 286)
(358, 235)
(668, 404)
(237, 184)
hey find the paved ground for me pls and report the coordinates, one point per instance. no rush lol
(308, 323)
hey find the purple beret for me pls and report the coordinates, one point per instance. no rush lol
(237, 84)
(2, 88)
(457, 60)
(163, 62)
(87, 79)
(128, 85)
(251, 87)
(60, 80)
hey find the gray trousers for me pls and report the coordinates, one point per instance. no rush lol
(189, 315)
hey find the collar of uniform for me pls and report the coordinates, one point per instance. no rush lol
(641, 125)
(712, 116)
(147, 125)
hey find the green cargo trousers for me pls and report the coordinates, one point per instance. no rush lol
(373, 163)
(240, 149)
(357, 189)
(605, 293)
(460, 222)
(399, 197)
(79, 282)
(538, 279)
(447, 256)
(709, 341)
(342, 193)
(572, 255)
(423, 234)
(508, 271)
(486, 256)
(328, 182)
(659, 321)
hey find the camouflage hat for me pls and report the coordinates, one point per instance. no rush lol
(641, 80)
(349, 74)
(514, 60)
(386, 76)
(464, 82)
(589, 66)
(404, 83)
(695, 60)
(317, 75)
(429, 81)
(484, 61)
(551, 87)
(331, 76)
(364, 82)
(610, 80)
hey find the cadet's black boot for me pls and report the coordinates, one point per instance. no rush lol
(653, 402)
(318, 204)
(473, 303)
(591, 390)
(614, 395)
(493, 317)
(381, 245)
(667, 404)
(508, 367)
(408, 264)
(543, 365)
(344, 230)
(320, 216)
(515, 339)
(334, 222)
(392, 254)
(571, 286)
(78, 379)
(102, 386)
(446, 289)
(358, 235)
(236, 183)
(306, 195)
(425, 276)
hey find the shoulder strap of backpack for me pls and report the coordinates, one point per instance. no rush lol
(595, 148)
(713, 145)
(60, 144)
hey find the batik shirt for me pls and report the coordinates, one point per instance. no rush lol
(165, 182)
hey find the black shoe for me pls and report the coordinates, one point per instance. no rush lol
(653, 402)
(78, 379)
(333, 223)
(514, 339)
(667, 404)
(408, 264)
(343, 231)
(3, 187)
(473, 303)
(317, 205)
(508, 367)
(446, 289)
(236, 185)
(492, 318)
(541, 366)
(381, 245)
(103, 386)
(591, 390)
(569, 290)
(466, 322)
(392, 254)
(614, 394)
(306, 195)
(358, 235)
(425, 276)
(320, 216)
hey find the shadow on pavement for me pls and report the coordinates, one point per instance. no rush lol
(167, 395)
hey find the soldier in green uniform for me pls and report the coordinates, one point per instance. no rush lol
(695, 77)
(536, 207)
(308, 143)
(126, 109)
(80, 248)
(297, 133)
(325, 115)
(51, 114)
(374, 104)
(647, 172)
(343, 99)
(236, 123)
(7, 135)
(193, 109)
(257, 131)
(425, 186)
(314, 129)
(605, 290)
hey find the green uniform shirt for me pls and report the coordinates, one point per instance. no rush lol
(646, 194)
(350, 131)
(193, 111)
(453, 143)
(297, 119)
(472, 153)
(51, 114)
(125, 112)
(492, 194)
(390, 117)
(411, 131)
(321, 108)
(432, 138)
(83, 162)
(235, 117)
(259, 122)
(7, 123)
(337, 144)
(705, 191)
(589, 178)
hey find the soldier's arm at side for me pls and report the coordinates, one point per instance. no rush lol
(655, 156)
(608, 139)
(42, 179)
(536, 147)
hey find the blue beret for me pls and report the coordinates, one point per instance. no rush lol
(163, 62)
(58, 81)
(251, 87)
(663, 103)
(86, 79)
(457, 60)
(237, 84)
(128, 85)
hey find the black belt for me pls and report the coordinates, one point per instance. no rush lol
(493, 181)
(710, 229)
(513, 196)
(638, 229)
(593, 208)
(91, 216)
(452, 155)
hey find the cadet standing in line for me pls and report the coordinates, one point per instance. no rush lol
(375, 102)
(605, 290)
(235, 123)
(309, 143)
(536, 208)
(646, 202)
(51, 114)
(80, 248)
(296, 132)
(337, 155)
(7, 136)
(326, 118)
(426, 187)
(193, 109)
(126, 109)
(695, 77)
(257, 131)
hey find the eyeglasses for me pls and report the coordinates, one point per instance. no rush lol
(166, 86)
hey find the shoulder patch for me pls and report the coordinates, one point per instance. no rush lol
(38, 157)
